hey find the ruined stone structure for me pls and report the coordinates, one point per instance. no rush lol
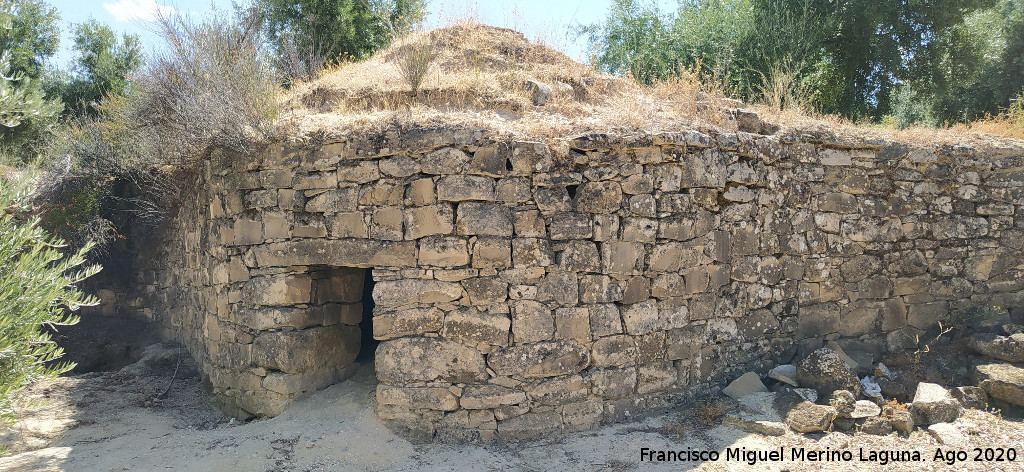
(522, 289)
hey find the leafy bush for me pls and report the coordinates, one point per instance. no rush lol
(37, 290)
(213, 88)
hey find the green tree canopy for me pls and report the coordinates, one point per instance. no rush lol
(28, 37)
(857, 58)
(307, 32)
(102, 67)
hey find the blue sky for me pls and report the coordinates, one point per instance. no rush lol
(549, 21)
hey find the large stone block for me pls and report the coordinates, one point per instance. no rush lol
(599, 289)
(559, 287)
(614, 383)
(428, 220)
(545, 359)
(573, 323)
(407, 322)
(614, 351)
(532, 322)
(443, 251)
(479, 397)
(570, 226)
(621, 257)
(334, 201)
(412, 291)
(306, 349)
(492, 253)
(386, 224)
(485, 291)
(605, 320)
(557, 391)
(642, 318)
(471, 326)
(417, 398)
(419, 359)
(531, 252)
(444, 161)
(483, 219)
(599, 197)
(457, 188)
(278, 290)
(817, 320)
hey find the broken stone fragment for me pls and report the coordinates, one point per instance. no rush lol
(807, 417)
(947, 434)
(933, 404)
(1001, 381)
(1007, 348)
(745, 385)
(539, 91)
(785, 373)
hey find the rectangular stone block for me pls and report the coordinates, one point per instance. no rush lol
(621, 257)
(573, 323)
(532, 322)
(472, 327)
(407, 322)
(418, 398)
(443, 251)
(348, 225)
(492, 253)
(428, 220)
(457, 188)
(570, 226)
(277, 290)
(483, 219)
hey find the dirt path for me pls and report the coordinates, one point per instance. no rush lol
(106, 422)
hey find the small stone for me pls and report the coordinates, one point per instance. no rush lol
(844, 402)
(947, 434)
(865, 409)
(877, 426)
(882, 371)
(747, 383)
(539, 92)
(767, 428)
(902, 421)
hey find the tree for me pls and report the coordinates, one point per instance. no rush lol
(309, 32)
(37, 290)
(28, 36)
(848, 57)
(102, 67)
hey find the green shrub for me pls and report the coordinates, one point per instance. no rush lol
(37, 290)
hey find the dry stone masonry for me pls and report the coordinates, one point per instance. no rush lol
(522, 289)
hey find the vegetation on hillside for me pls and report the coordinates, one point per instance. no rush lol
(934, 63)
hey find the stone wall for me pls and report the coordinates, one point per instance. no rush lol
(522, 289)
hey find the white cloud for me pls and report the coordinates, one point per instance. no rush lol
(145, 10)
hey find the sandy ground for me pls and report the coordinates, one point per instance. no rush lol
(109, 422)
